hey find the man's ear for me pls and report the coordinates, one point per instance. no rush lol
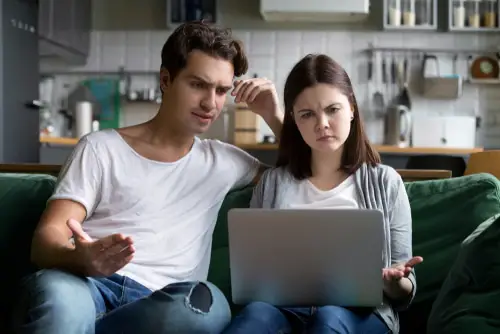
(164, 78)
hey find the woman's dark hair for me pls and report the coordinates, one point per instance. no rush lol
(294, 153)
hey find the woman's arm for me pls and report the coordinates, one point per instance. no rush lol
(258, 195)
(401, 291)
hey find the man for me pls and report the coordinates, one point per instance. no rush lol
(141, 203)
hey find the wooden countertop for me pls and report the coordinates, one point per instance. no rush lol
(58, 140)
(379, 148)
(387, 149)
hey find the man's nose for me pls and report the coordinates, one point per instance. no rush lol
(208, 102)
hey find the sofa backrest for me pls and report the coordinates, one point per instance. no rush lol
(23, 198)
(444, 213)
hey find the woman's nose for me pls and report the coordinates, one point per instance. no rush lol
(322, 123)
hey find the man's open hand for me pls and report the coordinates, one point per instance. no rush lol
(101, 257)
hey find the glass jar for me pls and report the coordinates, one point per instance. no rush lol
(490, 13)
(473, 11)
(424, 12)
(408, 9)
(394, 12)
(458, 13)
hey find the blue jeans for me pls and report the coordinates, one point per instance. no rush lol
(57, 302)
(263, 318)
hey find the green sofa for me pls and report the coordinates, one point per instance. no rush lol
(456, 228)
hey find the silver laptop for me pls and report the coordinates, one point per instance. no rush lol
(297, 257)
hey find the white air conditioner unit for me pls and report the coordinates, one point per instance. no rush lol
(314, 10)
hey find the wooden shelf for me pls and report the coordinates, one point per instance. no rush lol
(484, 81)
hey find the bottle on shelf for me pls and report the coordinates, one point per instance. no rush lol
(408, 9)
(473, 10)
(458, 13)
(490, 13)
(394, 12)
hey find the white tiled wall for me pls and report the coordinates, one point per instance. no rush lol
(272, 53)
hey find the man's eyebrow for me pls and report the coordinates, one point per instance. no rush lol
(195, 77)
(226, 87)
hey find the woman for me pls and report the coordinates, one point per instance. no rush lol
(326, 161)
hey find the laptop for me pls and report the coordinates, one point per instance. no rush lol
(306, 257)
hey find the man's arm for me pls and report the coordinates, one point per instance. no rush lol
(51, 246)
(274, 120)
(75, 196)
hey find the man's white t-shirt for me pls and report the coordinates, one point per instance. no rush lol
(168, 209)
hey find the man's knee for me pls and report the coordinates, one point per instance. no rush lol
(209, 306)
(57, 297)
(204, 307)
(200, 298)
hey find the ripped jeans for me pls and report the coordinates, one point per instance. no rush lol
(57, 302)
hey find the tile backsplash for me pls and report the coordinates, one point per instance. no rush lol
(273, 53)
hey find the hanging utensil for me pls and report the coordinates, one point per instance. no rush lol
(404, 96)
(369, 77)
(378, 97)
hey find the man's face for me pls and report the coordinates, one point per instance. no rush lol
(196, 96)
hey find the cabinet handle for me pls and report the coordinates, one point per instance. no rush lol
(443, 140)
(35, 104)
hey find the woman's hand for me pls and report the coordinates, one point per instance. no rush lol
(396, 282)
(400, 270)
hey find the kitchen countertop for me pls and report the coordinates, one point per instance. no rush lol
(387, 149)
(379, 148)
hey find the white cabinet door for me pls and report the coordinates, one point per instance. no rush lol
(428, 131)
(444, 131)
(460, 131)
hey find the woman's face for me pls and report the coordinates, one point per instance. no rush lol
(323, 115)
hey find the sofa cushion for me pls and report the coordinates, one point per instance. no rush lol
(239, 198)
(444, 213)
(23, 198)
(468, 300)
(219, 264)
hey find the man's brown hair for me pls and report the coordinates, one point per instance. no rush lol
(294, 152)
(208, 38)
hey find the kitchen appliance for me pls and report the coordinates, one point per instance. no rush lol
(19, 82)
(84, 117)
(314, 10)
(398, 126)
(437, 86)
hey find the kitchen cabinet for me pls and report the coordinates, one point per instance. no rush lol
(410, 14)
(19, 72)
(473, 15)
(444, 131)
(180, 11)
(64, 30)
